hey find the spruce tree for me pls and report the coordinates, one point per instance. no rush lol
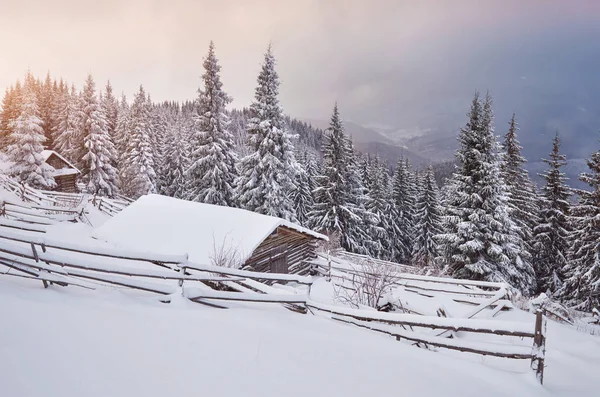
(121, 133)
(404, 201)
(428, 222)
(265, 184)
(551, 235)
(339, 193)
(47, 103)
(27, 140)
(582, 284)
(212, 173)
(98, 172)
(11, 109)
(110, 107)
(523, 200)
(68, 125)
(385, 232)
(176, 159)
(139, 173)
(480, 241)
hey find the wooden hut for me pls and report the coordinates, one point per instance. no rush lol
(211, 234)
(65, 174)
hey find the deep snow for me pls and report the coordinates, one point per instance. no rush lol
(71, 342)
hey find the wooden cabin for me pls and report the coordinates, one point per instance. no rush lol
(211, 235)
(65, 174)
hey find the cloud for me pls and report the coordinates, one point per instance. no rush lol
(387, 61)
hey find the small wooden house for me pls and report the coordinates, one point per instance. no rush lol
(65, 174)
(211, 235)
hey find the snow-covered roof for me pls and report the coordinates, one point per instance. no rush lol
(169, 226)
(46, 155)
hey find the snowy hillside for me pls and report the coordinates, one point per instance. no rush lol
(72, 342)
(95, 338)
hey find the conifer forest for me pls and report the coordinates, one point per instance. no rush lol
(480, 217)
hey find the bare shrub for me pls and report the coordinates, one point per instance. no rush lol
(367, 284)
(331, 246)
(225, 254)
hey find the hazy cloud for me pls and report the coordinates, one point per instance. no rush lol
(393, 62)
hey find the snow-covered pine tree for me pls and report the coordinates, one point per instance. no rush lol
(404, 201)
(176, 158)
(428, 222)
(47, 103)
(302, 197)
(551, 235)
(582, 284)
(337, 207)
(27, 142)
(266, 176)
(11, 104)
(365, 230)
(379, 202)
(212, 172)
(480, 241)
(110, 107)
(523, 200)
(97, 171)
(139, 173)
(121, 134)
(68, 125)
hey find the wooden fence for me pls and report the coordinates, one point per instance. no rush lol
(26, 251)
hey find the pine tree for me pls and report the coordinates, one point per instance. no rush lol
(522, 196)
(266, 176)
(480, 241)
(97, 171)
(385, 232)
(121, 133)
(139, 174)
(110, 107)
(404, 202)
(428, 222)
(47, 104)
(212, 173)
(176, 159)
(337, 208)
(582, 284)
(68, 125)
(27, 140)
(302, 197)
(551, 235)
(11, 109)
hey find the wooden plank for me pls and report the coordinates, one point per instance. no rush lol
(486, 349)
(452, 324)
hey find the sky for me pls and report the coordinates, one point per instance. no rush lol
(391, 63)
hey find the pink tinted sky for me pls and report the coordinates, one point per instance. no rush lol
(326, 50)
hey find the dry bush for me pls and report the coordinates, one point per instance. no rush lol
(332, 245)
(367, 284)
(225, 254)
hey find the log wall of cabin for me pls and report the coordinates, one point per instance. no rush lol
(284, 245)
(66, 183)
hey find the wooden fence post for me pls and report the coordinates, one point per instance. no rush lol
(181, 279)
(539, 346)
(328, 267)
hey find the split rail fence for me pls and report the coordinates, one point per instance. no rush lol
(26, 251)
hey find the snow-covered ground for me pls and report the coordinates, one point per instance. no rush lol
(73, 342)
(113, 341)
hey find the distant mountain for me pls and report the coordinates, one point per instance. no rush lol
(370, 140)
(356, 131)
